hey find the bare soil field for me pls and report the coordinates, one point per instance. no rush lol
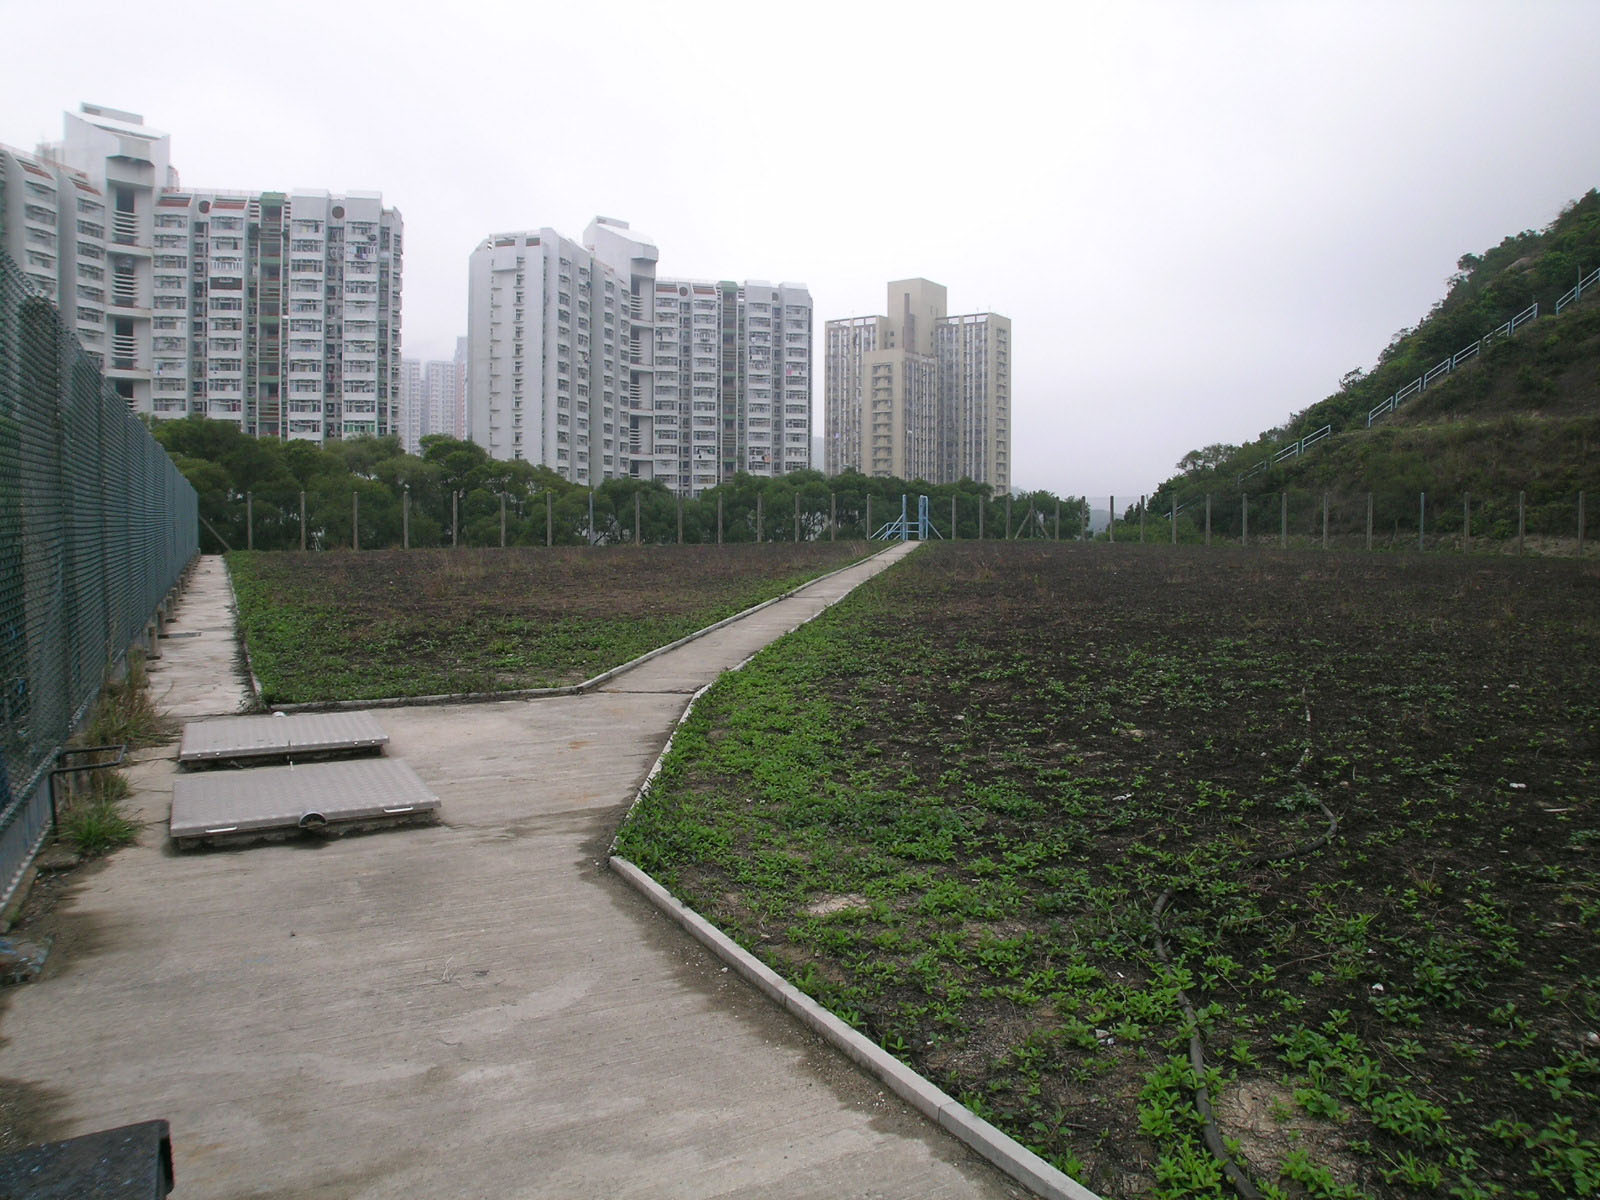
(1075, 830)
(388, 623)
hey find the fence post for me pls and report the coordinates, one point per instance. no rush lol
(1111, 519)
(249, 521)
(1174, 518)
(1058, 520)
(455, 519)
(761, 520)
(1466, 520)
(833, 516)
(952, 517)
(1008, 516)
(1208, 518)
(549, 518)
(1283, 520)
(1580, 524)
(1422, 520)
(405, 517)
(1141, 518)
(797, 518)
(355, 520)
(980, 515)
(591, 516)
(1324, 520)
(1244, 516)
(1522, 522)
(680, 518)
(638, 518)
(719, 518)
(1369, 520)
(302, 521)
(502, 520)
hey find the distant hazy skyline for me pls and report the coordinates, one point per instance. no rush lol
(1198, 216)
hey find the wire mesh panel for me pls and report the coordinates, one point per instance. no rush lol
(96, 524)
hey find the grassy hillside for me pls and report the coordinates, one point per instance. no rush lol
(1524, 416)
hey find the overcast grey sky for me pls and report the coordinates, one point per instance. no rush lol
(1197, 215)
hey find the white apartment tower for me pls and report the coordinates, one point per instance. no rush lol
(53, 226)
(428, 402)
(919, 394)
(277, 311)
(581, 359)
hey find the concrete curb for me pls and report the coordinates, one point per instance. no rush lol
(1016, 1160)
(571, 689)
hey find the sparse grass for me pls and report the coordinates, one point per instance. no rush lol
(947, 807)
(125, 714)
(92, 821)
(432, 622)
(90, 817)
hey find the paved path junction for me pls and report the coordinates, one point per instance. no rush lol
(474, 1009)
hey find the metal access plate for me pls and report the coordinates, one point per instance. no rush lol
(365, 791)
(263, 737)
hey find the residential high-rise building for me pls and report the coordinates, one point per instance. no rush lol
(919, 394)
(428, 401)
(279, 311)
(582, 359)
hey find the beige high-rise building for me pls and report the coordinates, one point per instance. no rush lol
(919, 394)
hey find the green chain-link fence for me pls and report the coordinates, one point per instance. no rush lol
(96, 524)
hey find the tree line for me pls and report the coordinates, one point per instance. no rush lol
(369, 493)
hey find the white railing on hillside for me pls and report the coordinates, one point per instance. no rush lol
(1292, 450)
(1584, 284)
(1440, 370)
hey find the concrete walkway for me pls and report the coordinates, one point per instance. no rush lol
(474, 1009)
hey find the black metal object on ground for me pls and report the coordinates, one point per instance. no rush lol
(130, 1162)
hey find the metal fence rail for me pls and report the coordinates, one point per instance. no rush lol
(96, 524)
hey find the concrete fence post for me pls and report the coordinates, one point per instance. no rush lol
(455, 519)
(1208, 518)
(1141, 518)
(1174, 519)
(1283, 520)
(797, 518)
(680, 518)
(549, 519)
(249, 521)
(1324, 520)
(355, 520)
(1111, 519)
(719, 518)
(1244, 517)
(502, 520)
(1008, 516)
(638, 518)
(405, 517)
(1058, 520)
(761, 519)
(302, 521)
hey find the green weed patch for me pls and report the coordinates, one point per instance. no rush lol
(430, 622)
(948, 808)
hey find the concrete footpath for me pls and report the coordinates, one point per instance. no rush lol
(473, 1009)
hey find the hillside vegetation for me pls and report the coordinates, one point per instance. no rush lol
(1524, 416)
